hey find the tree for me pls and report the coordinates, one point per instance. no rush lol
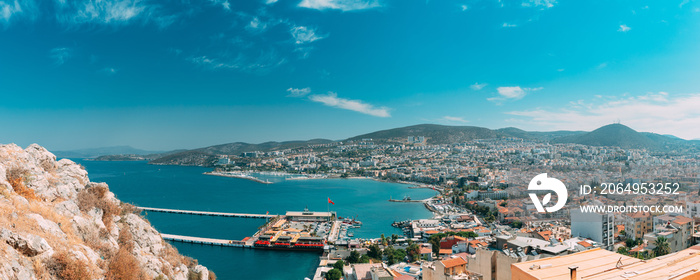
(393, 238)
(354, 257)
(339, 265)
(334, 274)
(630, 242)
(517, 224)
(622, 250)
(623, 233)
(364, 259)
(394, 255)
(662, 246)
(413, 251)
(374, 252)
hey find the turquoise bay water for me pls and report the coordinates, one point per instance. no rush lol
(186, 188)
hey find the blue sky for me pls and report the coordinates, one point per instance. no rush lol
(173, 74)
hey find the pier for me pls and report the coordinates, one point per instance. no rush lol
(205, 213)
(408, 200)
(206, 241)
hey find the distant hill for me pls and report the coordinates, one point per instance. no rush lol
(207, 156)
(435, 134)
(96, 152)
(614, 135)
(617, 135)
(537, 135)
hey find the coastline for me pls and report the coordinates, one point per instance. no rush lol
(412, 185)
(237, 175)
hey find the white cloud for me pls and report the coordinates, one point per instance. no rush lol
(107, 12)
(624, 28)
(303, 34)
(602, 65)
(270, 2)
(60, 55)
(226, 5)
(256, 25)
(661, 113)
(343, 5)
(7, 11)
(464, 7)
(109, 71)
(508, 25)
(263, 63)
(478, 86)
(331, 99)
(298, 92)
(514, 93)
(454, 119)
(539, 3)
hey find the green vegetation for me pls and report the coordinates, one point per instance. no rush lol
(662, 246)
(354, 257)
(517, 224)
(413, 251)
(339, 265)
(374, 252)
(394, 255)
(334, 274)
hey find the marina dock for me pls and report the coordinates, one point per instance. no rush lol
(205, 213)
(206, 241)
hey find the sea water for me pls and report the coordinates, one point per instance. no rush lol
(187, 188)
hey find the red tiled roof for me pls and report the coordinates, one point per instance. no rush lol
(682, 220)
(453, 262)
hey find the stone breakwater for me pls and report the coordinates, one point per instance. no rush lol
(56, 224)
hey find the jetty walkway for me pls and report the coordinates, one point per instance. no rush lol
(205, 213)
(207, 241)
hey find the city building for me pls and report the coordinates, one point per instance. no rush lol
(366, 271)
(308, 216)
(599, 264)
(597, 227)
(449, 269)
(637, 224)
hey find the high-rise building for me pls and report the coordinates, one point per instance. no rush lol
(597, 227)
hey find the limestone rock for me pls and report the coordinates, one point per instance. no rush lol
(45, 159)
(48, 226)
(28, 233)
(67, 208)
(29, 244)
(202, 271)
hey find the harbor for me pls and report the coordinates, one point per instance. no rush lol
(296, 230)
(186, 188)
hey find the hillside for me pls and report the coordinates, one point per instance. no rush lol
(435, 134)
(96, 152)
(207, 156)
(538, 135)
(615, 135)
(56, 224)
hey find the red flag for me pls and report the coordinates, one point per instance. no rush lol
(331, 201)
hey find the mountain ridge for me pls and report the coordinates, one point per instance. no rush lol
(613, 135)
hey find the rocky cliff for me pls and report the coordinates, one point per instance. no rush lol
(56, 224)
